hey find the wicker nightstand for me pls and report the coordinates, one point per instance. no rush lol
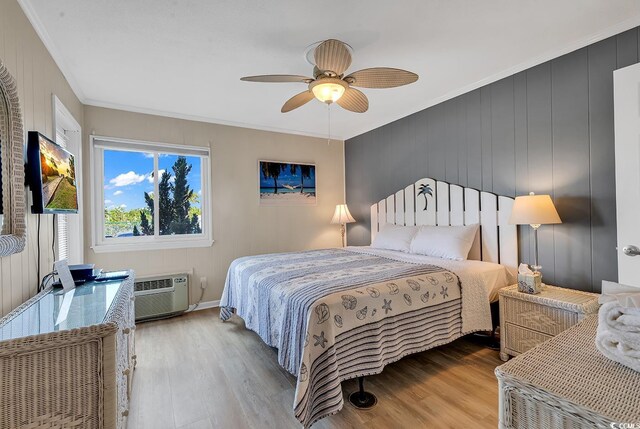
(528, 320)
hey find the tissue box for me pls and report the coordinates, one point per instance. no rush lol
(530, 283)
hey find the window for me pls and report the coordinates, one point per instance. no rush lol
(149, 195)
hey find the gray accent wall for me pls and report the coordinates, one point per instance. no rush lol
(548, 129)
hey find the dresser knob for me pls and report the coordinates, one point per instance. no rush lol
(126, 331)
(126, 372)
(125, 413)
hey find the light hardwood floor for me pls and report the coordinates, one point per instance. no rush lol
(195, 372)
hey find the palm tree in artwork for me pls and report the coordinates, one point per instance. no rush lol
(272, 170)
(305, 171)
(425, 189)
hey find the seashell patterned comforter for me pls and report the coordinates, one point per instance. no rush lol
(336, 314)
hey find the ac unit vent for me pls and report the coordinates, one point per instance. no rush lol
(161, 296)
(153, 285)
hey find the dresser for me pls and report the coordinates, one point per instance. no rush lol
(566, 383)
(527, 320)
(67, 359)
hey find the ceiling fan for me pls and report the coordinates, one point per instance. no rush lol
(329, 84)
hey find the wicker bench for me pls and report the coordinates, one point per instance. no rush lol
(567, 383)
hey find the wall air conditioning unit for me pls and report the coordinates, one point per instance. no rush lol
(158, 297)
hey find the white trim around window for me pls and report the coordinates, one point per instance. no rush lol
(69, 228)
(100, 244)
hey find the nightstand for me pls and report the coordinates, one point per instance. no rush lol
(527, 320)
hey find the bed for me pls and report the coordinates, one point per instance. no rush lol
(337, 314)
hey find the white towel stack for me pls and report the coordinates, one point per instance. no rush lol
(618, 336)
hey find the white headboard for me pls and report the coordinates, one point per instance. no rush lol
(432, 202)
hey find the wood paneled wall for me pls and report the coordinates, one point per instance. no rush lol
(38, 79)
(548, 129)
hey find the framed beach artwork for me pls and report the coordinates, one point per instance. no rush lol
(287, 183)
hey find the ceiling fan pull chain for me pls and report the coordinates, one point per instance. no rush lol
(328, 124)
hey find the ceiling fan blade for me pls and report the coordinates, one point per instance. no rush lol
(332, 55)
(277, 78)
(354, 100)
(297, 101)
(381, 77)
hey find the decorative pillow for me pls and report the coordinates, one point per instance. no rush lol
(447, 242)
(395, 237)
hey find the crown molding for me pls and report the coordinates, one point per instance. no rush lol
(196, 118)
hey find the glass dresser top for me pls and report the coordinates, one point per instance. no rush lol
(58, 311)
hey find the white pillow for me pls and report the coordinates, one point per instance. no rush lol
(447, 242)
(394, 237)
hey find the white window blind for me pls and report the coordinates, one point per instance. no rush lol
(139, 146)
(62, 230)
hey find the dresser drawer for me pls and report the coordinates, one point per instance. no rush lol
(542, 318)
(518, 339)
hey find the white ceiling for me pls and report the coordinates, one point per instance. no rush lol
(185, 58)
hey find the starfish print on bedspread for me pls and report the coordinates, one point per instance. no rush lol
(320, 340)
(387, 306)
(444, 292)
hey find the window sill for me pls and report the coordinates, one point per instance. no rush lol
(155, 245)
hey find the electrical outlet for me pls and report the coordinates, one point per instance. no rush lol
(203, 282)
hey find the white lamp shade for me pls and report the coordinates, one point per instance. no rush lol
(534, 210)
(342, 215)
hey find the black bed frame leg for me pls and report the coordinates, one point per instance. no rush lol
(362, 399)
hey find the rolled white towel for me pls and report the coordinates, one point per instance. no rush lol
(621, 347)
(617, 318)
(630, 320)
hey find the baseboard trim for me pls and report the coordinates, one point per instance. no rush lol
(204, 305)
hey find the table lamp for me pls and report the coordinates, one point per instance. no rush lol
(342, 216)
(534, 210)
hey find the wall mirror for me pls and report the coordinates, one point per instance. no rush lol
(13, 232)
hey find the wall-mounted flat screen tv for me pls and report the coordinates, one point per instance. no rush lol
(51, 175)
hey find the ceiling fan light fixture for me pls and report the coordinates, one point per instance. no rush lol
(331, 58)
(328, 90)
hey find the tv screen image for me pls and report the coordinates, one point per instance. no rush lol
(52, 174)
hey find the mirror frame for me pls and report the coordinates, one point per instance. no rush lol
(13, 234)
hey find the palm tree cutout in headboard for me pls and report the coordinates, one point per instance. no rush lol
(425, 189)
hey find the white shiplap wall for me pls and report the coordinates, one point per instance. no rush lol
(38, 78)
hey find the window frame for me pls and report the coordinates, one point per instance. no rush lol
(100, 244)
(64, 124)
